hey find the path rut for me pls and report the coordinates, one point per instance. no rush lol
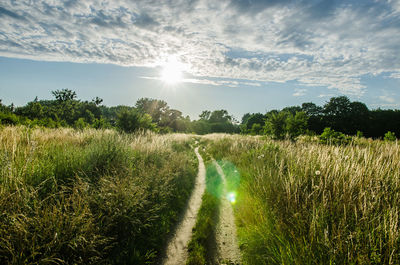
(227, 245)
(177, 251)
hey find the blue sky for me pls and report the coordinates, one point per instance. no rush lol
(239, 55)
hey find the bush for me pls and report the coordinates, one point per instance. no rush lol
(8, 118)
(80, 124)
(330, 136)
(132, 120)
(390, 136)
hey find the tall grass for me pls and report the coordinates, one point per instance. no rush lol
(90, 196)
(309, 203)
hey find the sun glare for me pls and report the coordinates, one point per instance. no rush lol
(172, 72)
(232, 197)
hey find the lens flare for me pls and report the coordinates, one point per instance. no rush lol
(232, 197)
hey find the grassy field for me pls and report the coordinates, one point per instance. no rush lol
(308, 203)
(100, 197)
(90, 197)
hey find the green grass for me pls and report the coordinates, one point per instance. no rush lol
(202, 244)
(311, 203)
(90, 197)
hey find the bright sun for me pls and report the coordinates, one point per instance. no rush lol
(172, 72)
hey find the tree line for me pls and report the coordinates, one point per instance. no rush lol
(66, 110)
(338, 114)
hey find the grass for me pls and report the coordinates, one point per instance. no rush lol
(310, 203)
(202, 245)
(90, 197)
(100, 197)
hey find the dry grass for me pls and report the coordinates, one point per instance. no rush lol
(85, 197)
(308, 203)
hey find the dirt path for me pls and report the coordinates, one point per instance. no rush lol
(177, 246)
(227, 246)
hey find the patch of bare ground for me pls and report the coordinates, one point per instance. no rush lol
(177, 251)
(226, 239)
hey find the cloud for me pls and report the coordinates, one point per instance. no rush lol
(204, 81)
(395, 75)
(387, 99)
(315, 43)
(298, 92)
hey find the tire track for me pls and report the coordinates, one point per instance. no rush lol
(226, 239)
(177, 251)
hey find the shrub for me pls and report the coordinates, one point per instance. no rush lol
(80, 124)
(132, 120)
(390, 136)
(330, 136)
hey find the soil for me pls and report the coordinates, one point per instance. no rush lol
(177, 251)
(226, 239)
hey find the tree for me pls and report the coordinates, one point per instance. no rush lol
(292, 110)
(157, 109)
(296, 124)
(130, 120)
(256, 129)
(220, 116)
(205, 115)
(359, 118)
(311, 109)
(64, 95)
(275, 125)
(97, 101)
(337, 113)
(250, 120)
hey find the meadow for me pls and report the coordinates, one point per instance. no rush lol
(90, 196)
(305, 202)
(103, 197)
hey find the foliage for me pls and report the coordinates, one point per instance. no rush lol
(313, 203)
(215, 121)
(390, 136)
(296, 124)
(275, 124)
(339, 113)
(252, 123)
(90, 197)
(131, 120)
(330, 136)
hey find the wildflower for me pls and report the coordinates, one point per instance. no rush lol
(259, 157)
(317, 172)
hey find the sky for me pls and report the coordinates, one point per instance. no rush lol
(239, 55)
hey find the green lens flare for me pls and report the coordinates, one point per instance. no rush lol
(232, 197)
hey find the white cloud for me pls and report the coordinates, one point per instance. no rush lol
(327, 43)
(298, 92)
(395, 75)
(204, 81)
(387, 99)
